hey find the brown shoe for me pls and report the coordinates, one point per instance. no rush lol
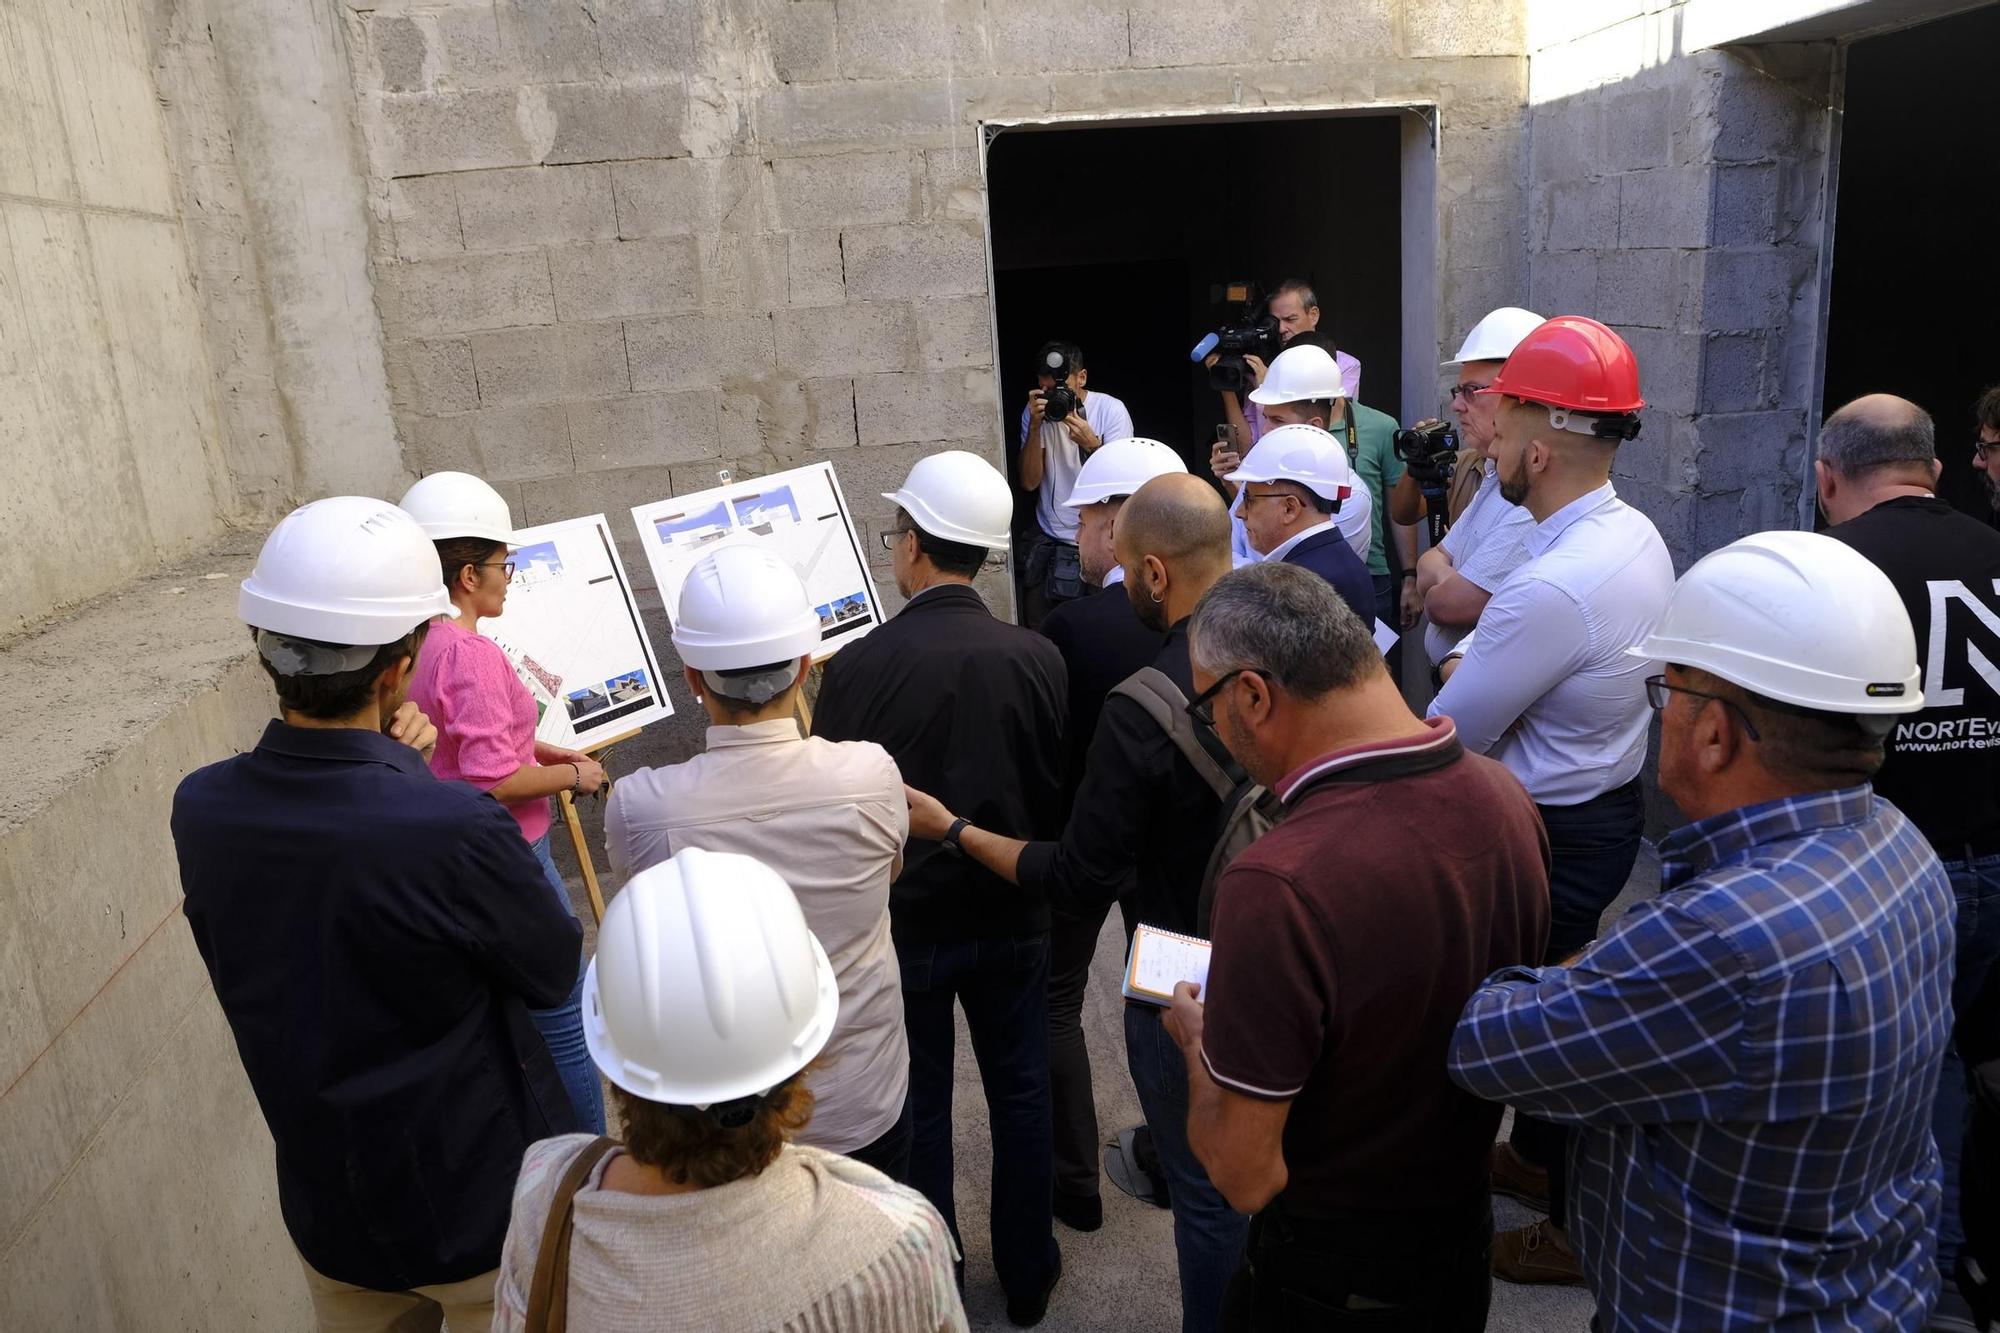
(1518, 1178)
(1537, 1254)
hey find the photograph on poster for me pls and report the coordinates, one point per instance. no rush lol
(572, 631)
(799, 515)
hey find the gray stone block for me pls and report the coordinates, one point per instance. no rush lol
(432, 376)
(550, 363)
(954, 333)
(464, 294)
(1636, 287)
(1666, 208)
(1563, 283)
(512, 42)
(1758, 118)
(741, 271)
(892, 39)
(830, 422)
(1753, 289)
(844, 190)
(646, 38)
(684, 196)
(424, 133)
(1638, 129)
(815, 271)
(1482, 231)
(1172, 32)
(696, 352)
(940, 405)
(1121, 89)
(603, 122)
(803, 49)
(935, 259)
(399, 48)
(614, 279)
(952, 188)
(760, 418)
(1745, 450)
(423, 214)
(846, 339)
(644, 429)
(921, 113)
(1452, 28)
(1670, 366)
(1746, 199)
(499, 443)
(611, 492)
(1051, 36)
(1734, 376)
(521, 207)
(1564, 138)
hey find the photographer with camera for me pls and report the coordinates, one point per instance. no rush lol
(1062, 424)
(1239, 356)
(1465, 566)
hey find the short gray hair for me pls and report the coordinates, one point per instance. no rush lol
(1855, 440)
(1300, 288)
(1286, 622)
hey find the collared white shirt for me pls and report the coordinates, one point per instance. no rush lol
(1114, 577)
(1277, 554)
(1062, 459)
(1352, 520)
(1545, 686)
(1487, 543)
(830, 818)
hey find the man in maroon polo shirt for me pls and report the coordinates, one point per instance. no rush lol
(1347, 940)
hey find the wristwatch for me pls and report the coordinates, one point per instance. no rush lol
(950, 838)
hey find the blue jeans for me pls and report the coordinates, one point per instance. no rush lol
(1002, 984)
(1208, 1233)
(562, 1026)
(1975, 883)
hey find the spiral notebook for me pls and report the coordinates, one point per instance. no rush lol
(1159, 959)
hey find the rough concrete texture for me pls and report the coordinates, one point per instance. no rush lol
(781, 204)
(1678, 197)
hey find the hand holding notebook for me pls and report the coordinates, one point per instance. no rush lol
(1159, 960)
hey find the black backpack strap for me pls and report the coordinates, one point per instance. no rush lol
(1153, 690)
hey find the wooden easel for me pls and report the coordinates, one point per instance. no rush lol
(600, 752)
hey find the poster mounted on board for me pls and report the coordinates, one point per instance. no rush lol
(800, 515)
(573, 633)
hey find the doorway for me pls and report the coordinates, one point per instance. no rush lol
(1914, 307)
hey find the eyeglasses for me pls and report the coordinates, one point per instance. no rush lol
(1657, 691)
(507, 565)
(1249, 495)
(1202, 707)
(1981, 448)
(1467, 390)
(893, 536)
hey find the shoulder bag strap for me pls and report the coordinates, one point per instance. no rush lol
(1154, 690)
(548, 1294)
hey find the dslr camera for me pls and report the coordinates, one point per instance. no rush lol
(1255, 333)
(1430, 454)
(1058, 400)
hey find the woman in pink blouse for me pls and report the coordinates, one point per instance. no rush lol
(485, 720)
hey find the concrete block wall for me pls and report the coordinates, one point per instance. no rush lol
(1678, 197)
(618, 247)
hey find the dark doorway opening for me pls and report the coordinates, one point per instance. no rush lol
(1118, 238)
(1914, 307)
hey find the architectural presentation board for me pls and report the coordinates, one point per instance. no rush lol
(800, 515)
(573, 633)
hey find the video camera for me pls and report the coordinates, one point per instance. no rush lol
(1058, 400)
(1431, 454)
(1255, 333)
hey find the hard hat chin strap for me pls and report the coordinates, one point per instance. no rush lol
(306, 657)
(1617, 426)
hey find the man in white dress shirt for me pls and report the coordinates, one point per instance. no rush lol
(1546, 687)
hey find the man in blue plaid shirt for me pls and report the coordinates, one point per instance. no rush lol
(1751, 1057)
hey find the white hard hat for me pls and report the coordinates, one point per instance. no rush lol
(1301, 374)
(741, 606)
(707, 985)
(959, 497)
(1300, 453)
(1495, 337)
(458, 504)
(1119, 468)
(346, 570)
(1797, 617)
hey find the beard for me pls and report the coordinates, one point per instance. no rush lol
(1152, 614)
(1992, 485)
(1514, 485)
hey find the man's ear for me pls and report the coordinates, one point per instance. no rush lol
(1825, 478)
(1937, 470)
(1082, 377)
(1714, 737)
(696, 685)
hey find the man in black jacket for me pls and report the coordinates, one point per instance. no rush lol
(375, 938)
(1102, 641)
(974, 707)
(1141, 803)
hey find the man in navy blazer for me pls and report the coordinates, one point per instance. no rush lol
(1294, 481)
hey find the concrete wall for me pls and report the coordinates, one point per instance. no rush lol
(1679, 197)
(617, 249)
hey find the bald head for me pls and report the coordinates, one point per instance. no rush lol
(1879, 431)
(1179, 520)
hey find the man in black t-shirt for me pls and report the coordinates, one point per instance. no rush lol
(1877, 466)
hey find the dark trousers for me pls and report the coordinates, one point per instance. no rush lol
(1975, 884)
(890, 1152)
(1072, 943)
(1592, 849)
(1427, 1272)
(1002, 984)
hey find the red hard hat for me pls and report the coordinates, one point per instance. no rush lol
(1575, 363)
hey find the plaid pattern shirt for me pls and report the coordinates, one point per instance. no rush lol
(1751, 1058)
